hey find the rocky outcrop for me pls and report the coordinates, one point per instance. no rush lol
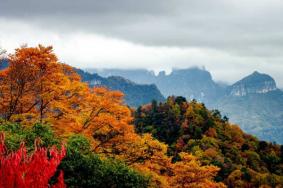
(254, 83)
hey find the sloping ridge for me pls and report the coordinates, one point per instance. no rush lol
(135, 94)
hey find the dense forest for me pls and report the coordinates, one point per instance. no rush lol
(244, 161)
(56, 131)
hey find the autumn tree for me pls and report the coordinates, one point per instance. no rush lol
(190, 173)
(106, 120)
(35, 86)
(18, 169)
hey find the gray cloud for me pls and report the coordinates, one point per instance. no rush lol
(243, 31)
(213, 23)
(247, 27)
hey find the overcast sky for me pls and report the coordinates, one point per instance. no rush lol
(230, 38)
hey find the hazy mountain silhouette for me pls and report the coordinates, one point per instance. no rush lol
(254, 102)
(135, 94)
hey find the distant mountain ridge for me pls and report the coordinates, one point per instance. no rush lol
(135, 94)
(192, 83)
(254, 102)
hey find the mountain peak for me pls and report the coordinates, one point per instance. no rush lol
(254, 83)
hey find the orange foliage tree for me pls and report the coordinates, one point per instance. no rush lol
(36, 87)
(106, 120)
(190, 173)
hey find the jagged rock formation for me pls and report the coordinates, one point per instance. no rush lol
(192, 83)
(255, 83)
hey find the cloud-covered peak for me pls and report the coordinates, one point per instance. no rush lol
(230, 38)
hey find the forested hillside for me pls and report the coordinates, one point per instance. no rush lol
(185, 126)
(56, 131)
(45, 102)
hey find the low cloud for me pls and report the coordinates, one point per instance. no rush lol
(230, 38)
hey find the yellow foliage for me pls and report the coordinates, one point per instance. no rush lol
(189, 173)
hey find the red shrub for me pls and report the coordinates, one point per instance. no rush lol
(20, 170)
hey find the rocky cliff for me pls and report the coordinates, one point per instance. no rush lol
(254, 83)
